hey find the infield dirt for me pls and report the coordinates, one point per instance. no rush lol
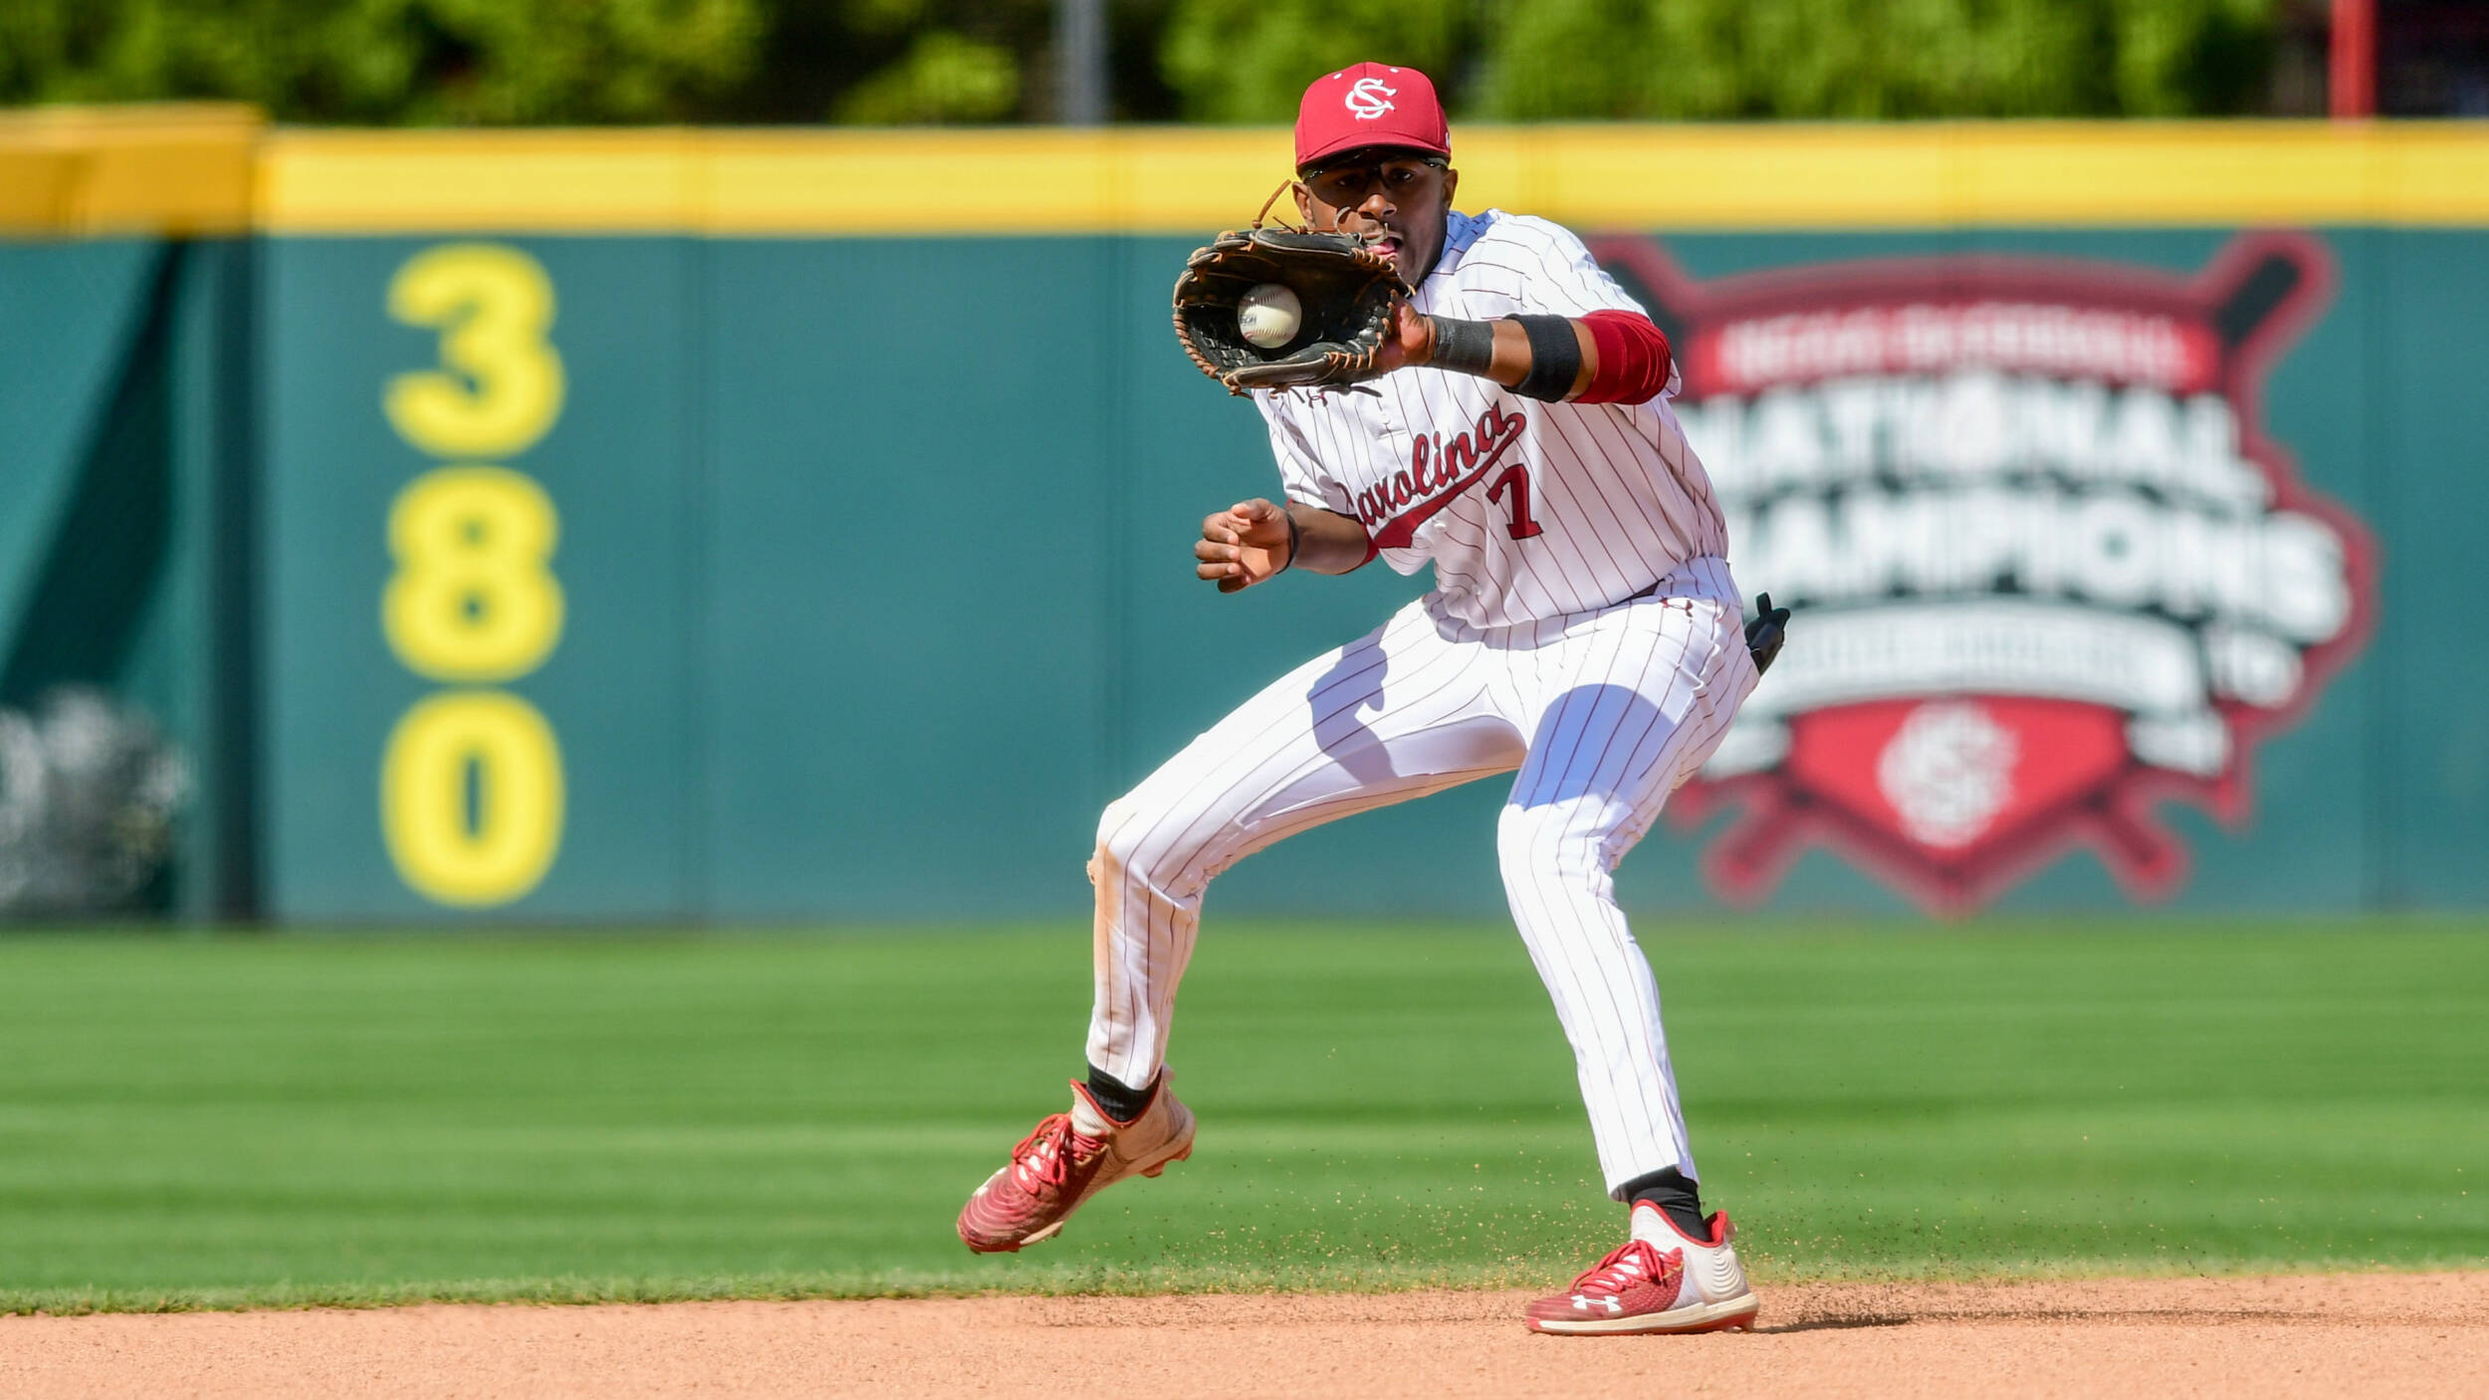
(2315, 1335)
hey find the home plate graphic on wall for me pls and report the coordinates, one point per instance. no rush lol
(2050, 568)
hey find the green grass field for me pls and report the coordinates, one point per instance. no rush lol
(200, 1121)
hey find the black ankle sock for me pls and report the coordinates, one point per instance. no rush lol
(1674, 1194)
(1121, 1102)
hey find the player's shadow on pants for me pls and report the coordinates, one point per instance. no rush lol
(1595, 741)
(1592, 741)
(1338, 700)
(1356, 685)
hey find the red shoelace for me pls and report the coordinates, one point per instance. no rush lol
(1609, 1276)
(1044, 1157)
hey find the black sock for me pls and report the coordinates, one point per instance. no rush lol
(1674, 1194)
(1121, 1102)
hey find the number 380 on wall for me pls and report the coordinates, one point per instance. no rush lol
(471, 780)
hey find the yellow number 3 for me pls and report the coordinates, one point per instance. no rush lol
(473, 598)
(501, 383)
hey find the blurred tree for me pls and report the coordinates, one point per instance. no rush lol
(1249, 60)
(893, 61)
(885, 61)
(1694, 59)
(938, 61)
(388, 61)
(943, 77)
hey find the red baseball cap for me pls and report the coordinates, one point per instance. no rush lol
(1369, 104)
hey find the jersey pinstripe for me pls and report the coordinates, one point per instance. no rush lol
(1527, 510)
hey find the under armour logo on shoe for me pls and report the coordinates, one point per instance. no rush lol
(1368, 99)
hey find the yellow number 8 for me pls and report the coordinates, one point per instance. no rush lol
(471, 797)
(493, 306)
(473, 598)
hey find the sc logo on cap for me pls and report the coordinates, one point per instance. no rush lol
(1369, 99)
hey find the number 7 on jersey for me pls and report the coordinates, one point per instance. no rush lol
(1515, 478)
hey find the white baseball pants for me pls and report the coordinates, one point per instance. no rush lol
(1603, 713)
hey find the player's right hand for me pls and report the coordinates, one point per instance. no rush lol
(1409, 341)
(1242, 545)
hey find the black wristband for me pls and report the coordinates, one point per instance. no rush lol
(1296, 540)
(1463, 347)
(1555, 358)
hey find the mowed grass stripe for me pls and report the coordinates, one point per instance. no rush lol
(209, 1122)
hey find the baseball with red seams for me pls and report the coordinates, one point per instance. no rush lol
(1269, 314)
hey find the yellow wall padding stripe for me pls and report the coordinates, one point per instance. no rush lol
(215, 169)
(1179, 180)
(154, 168)
(764, 182)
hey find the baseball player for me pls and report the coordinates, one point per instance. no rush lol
(1584, 631)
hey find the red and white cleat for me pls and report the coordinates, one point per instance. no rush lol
(1065, 1160)
(1660, 1280)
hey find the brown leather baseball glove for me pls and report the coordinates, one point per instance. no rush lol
(1346, 288)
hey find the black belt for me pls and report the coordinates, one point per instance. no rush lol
(1764, 635)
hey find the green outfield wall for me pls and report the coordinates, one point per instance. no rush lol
(689, 542)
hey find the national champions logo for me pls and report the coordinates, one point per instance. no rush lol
(2048, 567)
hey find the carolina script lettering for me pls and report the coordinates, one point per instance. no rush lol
(1438, 471)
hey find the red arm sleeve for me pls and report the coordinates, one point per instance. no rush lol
(1633, 358)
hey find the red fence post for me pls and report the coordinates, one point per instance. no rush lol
(2352, 85)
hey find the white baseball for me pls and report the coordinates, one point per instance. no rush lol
(1269, 315)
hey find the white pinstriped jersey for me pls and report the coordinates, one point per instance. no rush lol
(1528, 510)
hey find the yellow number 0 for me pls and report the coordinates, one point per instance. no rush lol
(503, 387)
(471, 797)
(473, 598)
